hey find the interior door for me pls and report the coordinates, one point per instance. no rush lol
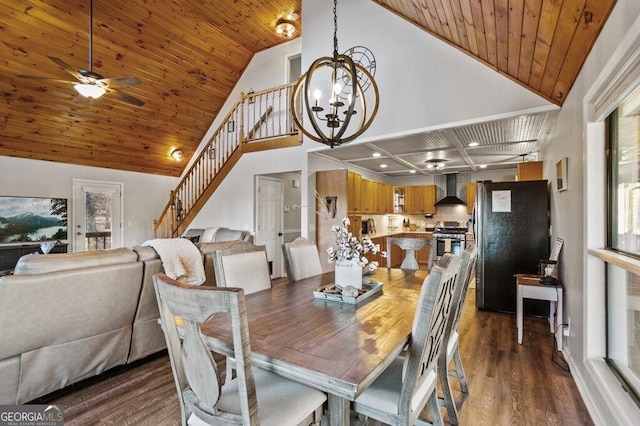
(269, 204)
(97, 215)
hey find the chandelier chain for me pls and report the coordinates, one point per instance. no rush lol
(335, 28)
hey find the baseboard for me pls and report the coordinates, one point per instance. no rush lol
(586, 395)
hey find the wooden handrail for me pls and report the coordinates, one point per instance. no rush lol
(268, 113)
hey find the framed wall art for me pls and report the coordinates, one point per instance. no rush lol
(561, 174)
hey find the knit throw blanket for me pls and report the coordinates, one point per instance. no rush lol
(181, 260)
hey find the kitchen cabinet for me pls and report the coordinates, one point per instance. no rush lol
(471, 196)
(384, 203)
(370, 196)
(531, 170)
(421, 199)
(399, 199)
(354, 193)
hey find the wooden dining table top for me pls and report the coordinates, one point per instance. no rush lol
(335, 347)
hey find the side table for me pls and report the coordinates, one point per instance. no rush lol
(530, 287)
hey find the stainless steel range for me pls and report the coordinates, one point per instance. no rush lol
(449, 237)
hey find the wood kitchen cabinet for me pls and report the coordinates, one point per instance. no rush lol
(354, 193)
(421, 199)
(531, 170)
(370, 196)
(471, 196)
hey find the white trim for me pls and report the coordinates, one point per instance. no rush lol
(617, 79)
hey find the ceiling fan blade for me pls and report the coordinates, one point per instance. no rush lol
(120, 82)
(68, 68)
(37, 77)
(127, 98)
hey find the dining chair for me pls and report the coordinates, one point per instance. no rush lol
(409, 245)
(242, 265)
(255, 395)
(433, 252)
(301, 259)
(451, 336)
(403, 389)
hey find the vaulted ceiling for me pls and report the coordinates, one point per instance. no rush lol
(189, 54)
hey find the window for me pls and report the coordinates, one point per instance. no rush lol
(624, 176)
(623, 236)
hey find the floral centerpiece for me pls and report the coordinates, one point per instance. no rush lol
(349, 255)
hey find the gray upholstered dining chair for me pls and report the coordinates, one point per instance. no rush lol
(400, 393)
(242, 265)
(301, 259)
(255, 395)
(451, 352)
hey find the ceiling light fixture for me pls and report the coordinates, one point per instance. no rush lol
(376, 154)
(483, 166)
(177, 154)
(412, 171)
(90, 90)
(285, 27)
(343, 83)
(383, 166)
(435, 163)
(473, 144)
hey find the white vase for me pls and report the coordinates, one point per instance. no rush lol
(348, 272)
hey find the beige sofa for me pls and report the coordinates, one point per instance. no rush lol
(67, 317)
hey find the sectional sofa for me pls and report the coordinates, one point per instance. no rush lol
(66, 317)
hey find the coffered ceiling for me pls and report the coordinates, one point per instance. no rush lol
(189, 54)
(492, 145)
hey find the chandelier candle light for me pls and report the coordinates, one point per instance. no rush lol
(334, 92)
(349, 256)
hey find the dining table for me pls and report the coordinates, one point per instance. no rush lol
(336, 347)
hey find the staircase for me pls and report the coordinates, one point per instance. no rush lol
(258, 121)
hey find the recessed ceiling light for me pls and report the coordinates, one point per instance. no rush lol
(412, 171)
(376, 154)
(483, 166)
(474, 144)
(383, 166)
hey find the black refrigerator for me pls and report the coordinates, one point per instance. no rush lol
(511, 227)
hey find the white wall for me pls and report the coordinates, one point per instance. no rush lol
(144, 195)
(422, 80)
(566, 139)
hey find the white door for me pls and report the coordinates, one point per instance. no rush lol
(269, 201)
(97, 215)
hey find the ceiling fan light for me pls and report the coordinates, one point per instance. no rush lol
(90, 90)
(177, 154)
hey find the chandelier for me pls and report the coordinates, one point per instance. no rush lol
(330, 97)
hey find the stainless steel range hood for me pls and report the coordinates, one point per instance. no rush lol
(451, 198)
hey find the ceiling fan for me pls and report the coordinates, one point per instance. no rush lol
(90, 84)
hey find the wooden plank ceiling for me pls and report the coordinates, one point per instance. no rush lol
(189, 54)
(542, 44)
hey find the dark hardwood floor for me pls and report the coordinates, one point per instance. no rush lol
(509, 384)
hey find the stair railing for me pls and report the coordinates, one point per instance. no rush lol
(267, 114)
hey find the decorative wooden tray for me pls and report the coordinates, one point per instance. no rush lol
(333, 292)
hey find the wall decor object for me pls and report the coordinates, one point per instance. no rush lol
(561, 174)
(30, 219)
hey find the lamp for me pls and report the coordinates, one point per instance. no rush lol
(435, 163)
(177, 154)
(344, 82)
(285, 27)
(90, 90)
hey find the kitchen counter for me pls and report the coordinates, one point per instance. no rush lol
(418, 233)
